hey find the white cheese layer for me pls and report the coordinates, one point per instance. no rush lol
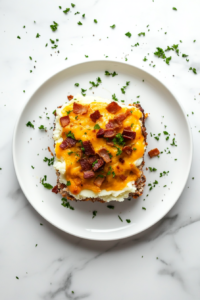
(60, 165)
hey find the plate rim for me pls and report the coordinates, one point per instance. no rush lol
(42, 84)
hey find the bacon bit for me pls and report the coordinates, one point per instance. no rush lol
(120, 118)
(127, 128)
(154, 152)
(80, 109)
(128, 150)
(59, 106)
(50, 151)
(121, 160)
(62, 186)
(85, 165)
(123, 177)
(70, 97)
(104, 154)
(147, 169)
(99, 164)
(100, 133)
(128, 134)
(88, 174)
(55, 189)
(64, 121)
(88, 148)
(144, 131)
(113, 107)
(92, 158)
(68, 143)
(110, 143)
(95, 116)
(98, 181)
(113, 124)
(109, 133)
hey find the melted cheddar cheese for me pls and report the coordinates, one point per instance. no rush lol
(83, 129)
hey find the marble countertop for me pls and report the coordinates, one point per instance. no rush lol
(41, 262)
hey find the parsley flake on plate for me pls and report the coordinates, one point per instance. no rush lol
(76, 84)
(110, 206)
(42, 127)
(66, 10)
(73, 5)
(46, 185)
(114, 97)
(54, 27)
(141, 33)
(113, 26)
(95, 21)
(94, 214)
(83, 92)
(49, 160)
(79, 23)
(18, 37)
(37, 35)
(65, 203)
(96, 126)
(120, 218)
(128, 220)
(174, 8)
(29, 124)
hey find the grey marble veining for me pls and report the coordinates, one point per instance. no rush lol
(164, 262)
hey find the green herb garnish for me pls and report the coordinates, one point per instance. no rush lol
(128, 34)
(96, 126)
(42, 127)
(29, 124)
(49, 160)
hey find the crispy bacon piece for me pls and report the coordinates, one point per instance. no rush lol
(120, 118)
(154, 152)
(98, 181)
(110, 143)
(88, 148)
(64, 121)
(113, 124)
(85, 165)
(123, 177)
(99, 164)
(128, 150)
(95, 116)
(100, 133)
(121, 160)
(88, 174)
(104, 154)
(68, 143)
(59, 106)
(55, 189)
(70, 97)
(92, 158)
(128, 134)
(80, 109)
(113, 107)
(109, 133)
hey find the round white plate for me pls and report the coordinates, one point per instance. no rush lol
(30, 148)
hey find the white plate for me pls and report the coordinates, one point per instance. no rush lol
(164, 109)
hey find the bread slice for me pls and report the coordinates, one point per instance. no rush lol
(139, 184)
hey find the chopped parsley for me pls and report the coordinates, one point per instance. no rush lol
(156, 137)
(46, 185)
(30, 57)
(120, 218)
(68, 111)
(76, 84)
(124, 87)
(144, 208)
(95, 84)
(54, 27)
(145, 59)
(128, 220)
(184, 55)
(37, 35)
(96, 126)
(17, 277)
(42, 127)
(66, 10)
(54, 112)
(119, 151)
(83, 91)
(65, 203)
(94, 214)
(113, 26)
(152, 169)
(77, 13)
(114, 97)
(160, 53)
(137, 44)
(49, 160)
(32, 167)
(29, 124)
(164, 173)
(113, 74)
(79, 23)
(83, 15)
(94, 163)
(167, 60)
(111, 206)
(60, 7)
(141, 33)
(68, 183)
(18, 37)
(193, 69)
(128, 34)
(174, 8)
(76, 117)
(173, 142)
(73, 5)
(95, 21)
(118, 139)
(70, 134)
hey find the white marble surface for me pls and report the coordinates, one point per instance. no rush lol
(164, 263)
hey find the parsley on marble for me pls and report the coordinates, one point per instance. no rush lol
(193, 69)
(54, 26)
(94, 214)
(152, 169)
(114, 97)
(49, 160)
(83, 15)
(65, 203)
(113, 26)
(141, 33)
(60, 7)
(18, 37)
(144, 208)
(124, 87)
(73, 5)
(145, 59)
(29, 124)
(79, 23)
(32, 167)
(95, 21)
(174, 8)
(66, 10)
(173, 142)
(37, 35)
(128, 220)
(42, 127)
(137, 44)
(76, 84)
(167, 60)
(184, 55)
(160, 53)
(113, 74)
(30, 57)
(17, 277)
(77, 13)
(83, 92)
(128, 34)
(164, 173)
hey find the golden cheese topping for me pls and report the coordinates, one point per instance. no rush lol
(82, 127)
